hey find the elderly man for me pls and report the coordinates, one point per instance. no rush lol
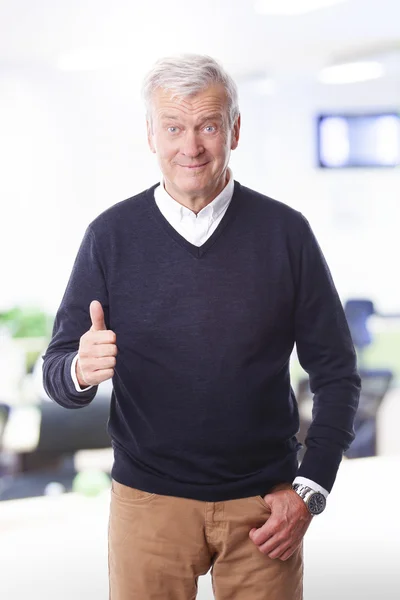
(191, 295)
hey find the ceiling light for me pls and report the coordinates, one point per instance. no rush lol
(258, 82)
(290, 8)
(353, 72)
(91, 59)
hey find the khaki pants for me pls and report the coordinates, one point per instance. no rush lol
(159, 545)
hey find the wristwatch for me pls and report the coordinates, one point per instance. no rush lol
(315, 501)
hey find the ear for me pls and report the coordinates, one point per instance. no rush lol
(150, 137)
(236, 133)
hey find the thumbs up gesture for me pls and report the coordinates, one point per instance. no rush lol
(97, 350)
(97, 316)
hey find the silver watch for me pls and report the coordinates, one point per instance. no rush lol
(315, 501)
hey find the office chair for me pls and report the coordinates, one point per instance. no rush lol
(374, 385)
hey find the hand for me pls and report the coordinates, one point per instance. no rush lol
(283, 532)
(97, 350)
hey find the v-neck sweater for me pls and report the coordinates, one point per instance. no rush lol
(202, 406)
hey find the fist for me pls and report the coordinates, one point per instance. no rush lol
(97, 350)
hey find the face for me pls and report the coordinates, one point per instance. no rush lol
(192, 140)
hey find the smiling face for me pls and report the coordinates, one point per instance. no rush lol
(193, 141)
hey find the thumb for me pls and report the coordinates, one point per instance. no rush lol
(97, 316)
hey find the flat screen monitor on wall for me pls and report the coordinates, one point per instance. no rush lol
(359, 140)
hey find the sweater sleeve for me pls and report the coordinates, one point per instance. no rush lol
(326, 352)
(86, 283)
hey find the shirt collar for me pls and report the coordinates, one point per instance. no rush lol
(212, 210)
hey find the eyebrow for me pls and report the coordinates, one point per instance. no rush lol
(169, 117)
(212, 117)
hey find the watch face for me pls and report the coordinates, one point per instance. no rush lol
(316, 503)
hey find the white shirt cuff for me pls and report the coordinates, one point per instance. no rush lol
(74, 377)
(311, 484)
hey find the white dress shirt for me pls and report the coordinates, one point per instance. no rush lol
(196, 229)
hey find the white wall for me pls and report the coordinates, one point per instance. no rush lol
(74, 144)
(354, 212)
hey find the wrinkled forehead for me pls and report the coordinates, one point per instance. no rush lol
(212, 99)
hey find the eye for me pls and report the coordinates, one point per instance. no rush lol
(172, 129)
(210, 129)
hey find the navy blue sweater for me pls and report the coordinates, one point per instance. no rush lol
(202, 405)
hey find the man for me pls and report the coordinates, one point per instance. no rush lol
(191, 296)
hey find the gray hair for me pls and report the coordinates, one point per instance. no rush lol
(187, 75)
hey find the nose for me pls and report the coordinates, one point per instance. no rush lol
(191, 146)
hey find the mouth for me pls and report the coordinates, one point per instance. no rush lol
(194, 166)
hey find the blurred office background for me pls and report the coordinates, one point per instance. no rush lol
(319, 91)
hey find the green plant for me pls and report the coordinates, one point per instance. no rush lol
(27, 322)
